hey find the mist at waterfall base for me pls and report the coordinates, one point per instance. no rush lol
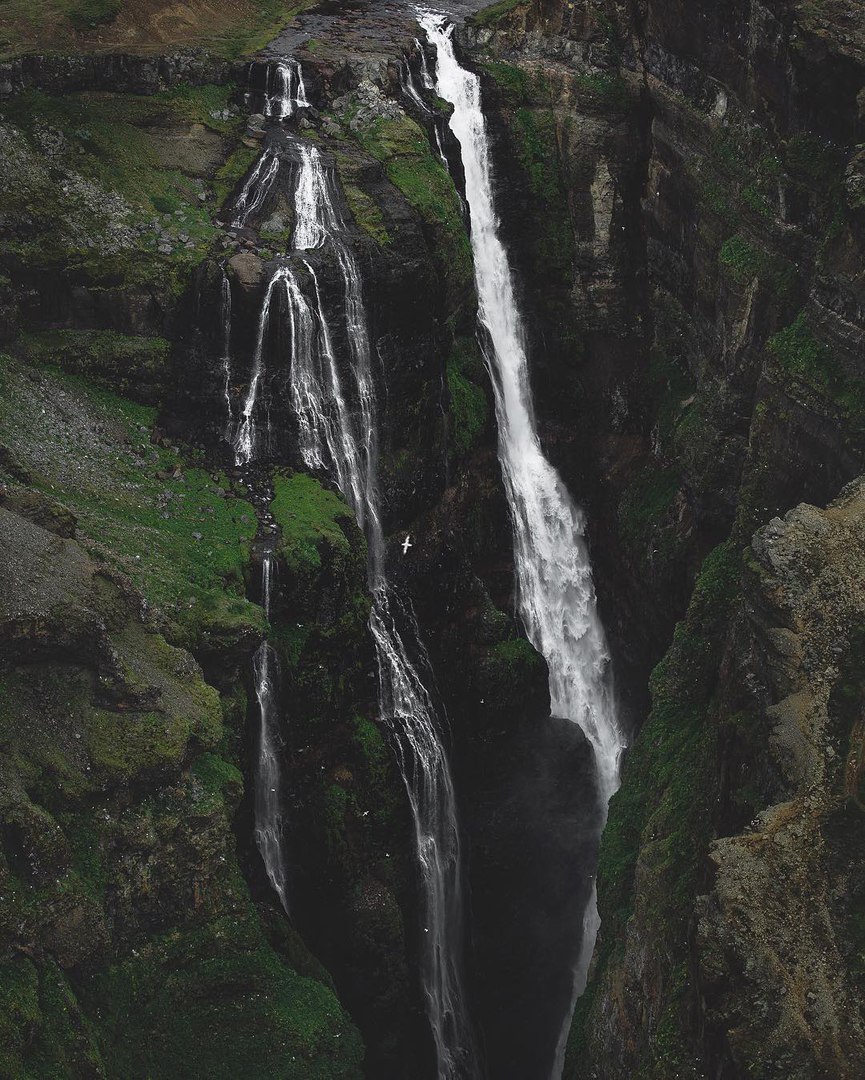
(555, 591)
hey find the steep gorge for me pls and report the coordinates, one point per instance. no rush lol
(681, 199)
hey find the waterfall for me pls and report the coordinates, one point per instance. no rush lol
(555, 590)
(407, 84)
(289, 93)
(268, 777)
(225, 319)
(425, 73)
(245, 439)
(254, 191)
(340, 438)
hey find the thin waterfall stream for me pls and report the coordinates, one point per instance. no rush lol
(555, 590)
(269, 836)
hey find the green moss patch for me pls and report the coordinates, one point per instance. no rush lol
(218, 1002)
(42, 1030)
(744, 262)
(514, 81)
(799, 354)
(534, 130)
(117, 186)
(469, 412)
(309, 516)
(489, 16)
(609, 91)
(645, 504)
(135, 367)
(180, 534)
(367, 214)
(537, 146)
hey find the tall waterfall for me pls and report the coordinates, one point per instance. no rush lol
(337, 420)
(268, 774)
(553, 574)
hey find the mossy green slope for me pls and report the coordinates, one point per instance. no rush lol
(182, 536)
(116, 187)
(118, 860)
(404, 150)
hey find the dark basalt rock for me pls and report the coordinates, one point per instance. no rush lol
(116, 72)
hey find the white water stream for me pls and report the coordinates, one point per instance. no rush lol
(268, 774)
(284, 92)
(555, 590)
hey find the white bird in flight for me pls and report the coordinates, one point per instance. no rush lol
(406, 544)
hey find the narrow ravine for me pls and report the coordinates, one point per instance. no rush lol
(555, 590)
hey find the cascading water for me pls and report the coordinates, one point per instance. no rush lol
(407, 84)
(342, 440)
(553, 574)
(245, 440)
(285, 92)
(268, 774)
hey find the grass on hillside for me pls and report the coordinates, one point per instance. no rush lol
(182, 536)
(101, 180)
(229, 31)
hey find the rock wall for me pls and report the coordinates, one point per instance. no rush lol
(130, 301)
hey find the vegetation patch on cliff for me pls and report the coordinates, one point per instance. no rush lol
(801, 355)
(404, 150)
(469, 412)
(218, 1002)
(660, 821)
(744, 262)
(118, 186)
(136, 367)
(309, 516)
(181, 535)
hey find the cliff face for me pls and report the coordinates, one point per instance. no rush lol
(117, 213)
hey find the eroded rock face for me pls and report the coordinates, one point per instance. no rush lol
(776, 939)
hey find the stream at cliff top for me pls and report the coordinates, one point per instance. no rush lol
(555, 590)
